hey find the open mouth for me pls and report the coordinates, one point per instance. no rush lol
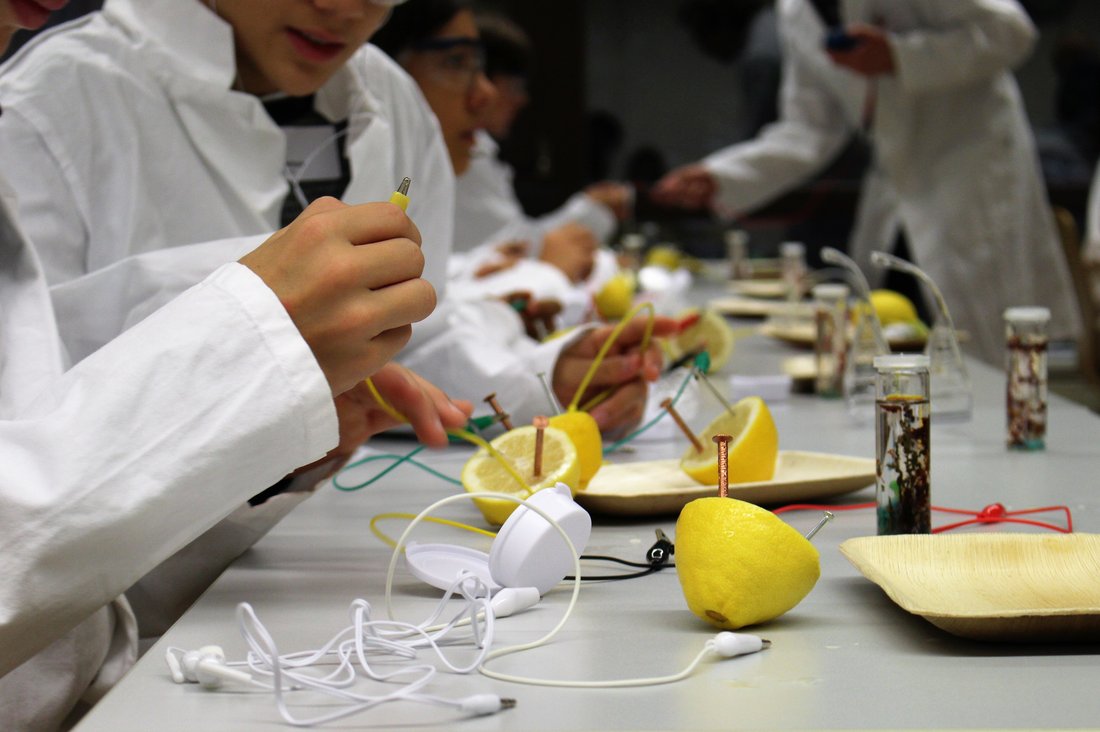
(315, 45)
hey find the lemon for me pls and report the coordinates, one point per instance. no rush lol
(740, 564)
(893, 307)
(752, 451)
(615, 298)
(483, 472)
(664, 255)
(585, 434)
(710, 331)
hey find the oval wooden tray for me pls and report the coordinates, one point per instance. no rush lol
(1023, 588)
(658, 487)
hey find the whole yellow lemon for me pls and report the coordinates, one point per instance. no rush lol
(615, 298)
(740, 564)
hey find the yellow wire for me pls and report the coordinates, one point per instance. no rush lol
(461, 434)
(385, 539)
(602, 353)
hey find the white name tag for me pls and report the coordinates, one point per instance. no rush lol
(315, 148)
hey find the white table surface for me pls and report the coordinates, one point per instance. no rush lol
(845, 658)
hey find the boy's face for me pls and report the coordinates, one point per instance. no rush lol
(30, 14)
(295, 46)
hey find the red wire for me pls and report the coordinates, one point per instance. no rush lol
(992, 514)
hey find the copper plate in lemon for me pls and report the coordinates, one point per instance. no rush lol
(752, 451)
(484, 473)
(740, 564)
(585, 434)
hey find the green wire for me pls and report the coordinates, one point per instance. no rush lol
(397, 460)
(702, 362)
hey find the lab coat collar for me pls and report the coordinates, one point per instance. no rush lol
(190, 32)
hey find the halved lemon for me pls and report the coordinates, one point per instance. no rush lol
(484, 473)
(585, 434)
(752, 451)
(710, 331)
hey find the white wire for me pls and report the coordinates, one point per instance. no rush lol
(295, 178)
(365, 637)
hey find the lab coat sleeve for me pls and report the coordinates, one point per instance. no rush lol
(146, 444)
(810, 132)
(585, 210)
(125, 292)
(164, 594)
(972, 42)
(483, 349)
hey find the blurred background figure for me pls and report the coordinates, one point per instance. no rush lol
(955, 168)
(487, 209)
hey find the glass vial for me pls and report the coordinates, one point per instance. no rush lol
(1026, 371)
(737, 252)
(792, 267)
(631, 250)
(831, 342)
(902, 442)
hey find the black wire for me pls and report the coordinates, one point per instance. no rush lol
(649, 568)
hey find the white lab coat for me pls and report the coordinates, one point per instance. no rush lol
(131, 140)
(950, 139)
(488, 214)
(112, 466)
(487, 209)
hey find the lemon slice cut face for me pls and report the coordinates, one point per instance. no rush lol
(484, 473)
(585, 434)
(711, 332)
(752, 450)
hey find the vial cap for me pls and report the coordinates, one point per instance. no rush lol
(830, 291)
(1027, 314)
(901, 361)
(792, 249)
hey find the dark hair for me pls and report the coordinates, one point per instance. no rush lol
(508, 49)
(415, 21)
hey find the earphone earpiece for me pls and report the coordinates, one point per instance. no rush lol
(205, 667)
(511, 600)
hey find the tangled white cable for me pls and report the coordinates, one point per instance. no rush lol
(346, 658)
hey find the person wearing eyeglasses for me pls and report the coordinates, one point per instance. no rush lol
(487, 210)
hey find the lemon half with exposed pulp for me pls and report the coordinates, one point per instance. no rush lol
(484, 473)
(710, 331)
(752, 450)
(740, 564)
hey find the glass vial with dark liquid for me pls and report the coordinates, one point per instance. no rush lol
(902, 442)
(831, 337)
(1026, 372)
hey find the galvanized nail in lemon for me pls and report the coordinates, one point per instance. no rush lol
(666, 404)
(501, 414)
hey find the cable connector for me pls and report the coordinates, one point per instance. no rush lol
(729, 644)
(485, 704)
(661, 552)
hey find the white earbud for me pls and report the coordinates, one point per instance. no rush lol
(729, 644)
(205, 667)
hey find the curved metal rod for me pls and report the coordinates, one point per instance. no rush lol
(839, 258)
(882, 259)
